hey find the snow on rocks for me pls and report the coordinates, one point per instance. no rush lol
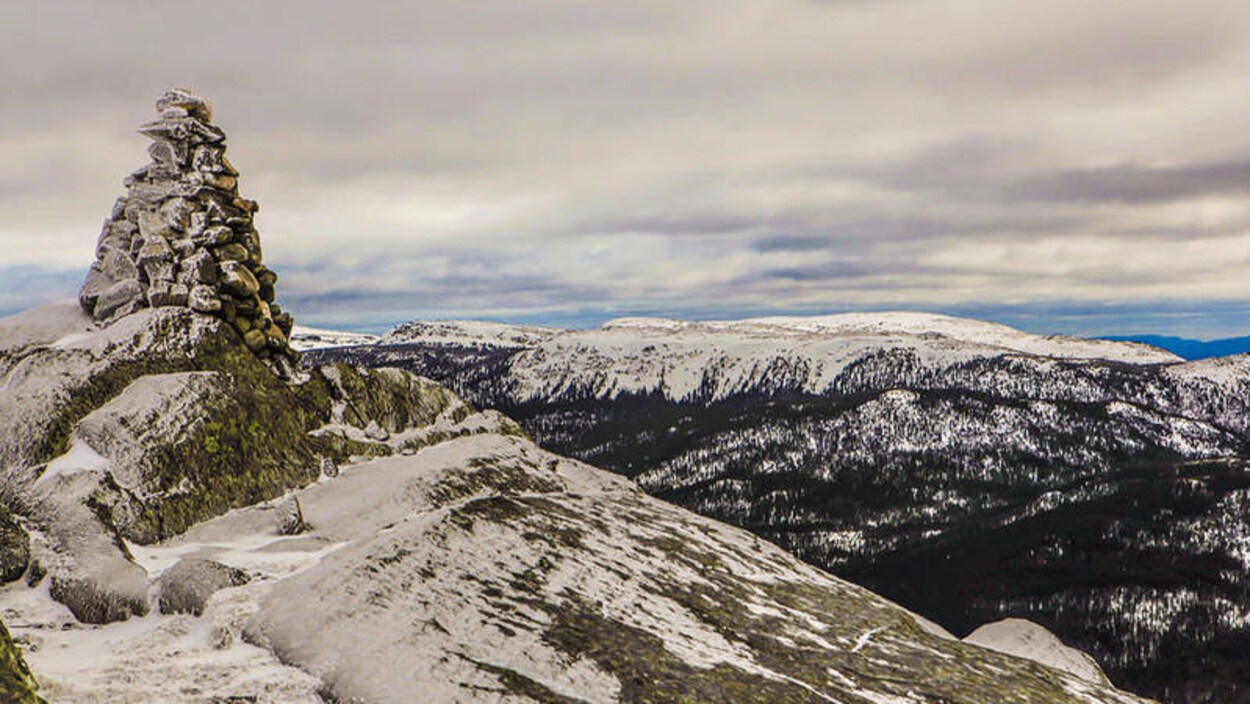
(1026, 639)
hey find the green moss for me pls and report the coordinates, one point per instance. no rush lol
(518, 684)
(14, 547)
(17, 684)
(396, 400)
(647, 671)
(493, 474)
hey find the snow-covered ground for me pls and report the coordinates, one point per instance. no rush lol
(484, 569)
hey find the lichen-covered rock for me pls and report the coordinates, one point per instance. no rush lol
(17, 684)
(186, 587)
(14, 548)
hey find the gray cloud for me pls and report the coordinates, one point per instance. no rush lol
(1138, 184)
(572, 160)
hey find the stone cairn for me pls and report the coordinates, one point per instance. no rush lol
(182, 236)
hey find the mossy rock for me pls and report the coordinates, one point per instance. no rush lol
(14, 548)
(241, 433)
(17, 684)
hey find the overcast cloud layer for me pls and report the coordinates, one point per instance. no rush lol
(1062, 165)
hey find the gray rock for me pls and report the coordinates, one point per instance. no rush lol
(183, 247)
(92, 603)
(163, 293)
(117, 265)
(376, 432)
(153, 226)
(214, 235)
(192, 104)
(233, 252)
(122, 298)
(203, 299)
(156, 259)
(170, 153)
(186, 587)
(176, 212)
(95, 284)
(201, 268)
(207, 158)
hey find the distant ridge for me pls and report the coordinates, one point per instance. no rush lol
(1188, 348)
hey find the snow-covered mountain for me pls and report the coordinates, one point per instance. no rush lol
(306, 338)
(873, 444)
(683, 361)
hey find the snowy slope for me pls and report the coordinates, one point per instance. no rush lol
(483, 570)
(925, 324)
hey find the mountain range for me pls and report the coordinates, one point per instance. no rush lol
(1191, 349)
(970, 471)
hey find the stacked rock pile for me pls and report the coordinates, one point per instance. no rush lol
(182, 236)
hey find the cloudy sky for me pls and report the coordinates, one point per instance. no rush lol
(1060, 165)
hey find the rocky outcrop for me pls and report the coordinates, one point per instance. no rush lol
(143, 427)
(182, 235)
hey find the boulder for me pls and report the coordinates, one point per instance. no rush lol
(93, 601)
(186, 101)
(237, 280)
(120, 299)
(186, 587)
